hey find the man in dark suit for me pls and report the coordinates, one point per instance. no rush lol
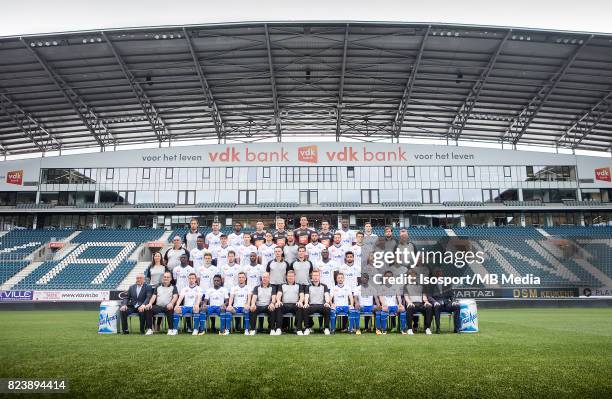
(442, 299)
(136, 301)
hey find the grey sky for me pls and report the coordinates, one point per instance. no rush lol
(40, 16)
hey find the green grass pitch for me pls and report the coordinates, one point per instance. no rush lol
(517, 353)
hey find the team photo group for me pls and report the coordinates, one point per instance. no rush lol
(285, 281)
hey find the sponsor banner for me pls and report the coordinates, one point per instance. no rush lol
(603, 174)
(596, 292)
(14, 296)
(156, 244)
(71, 296)
(14, 177)
(117, 295)
(519, 293)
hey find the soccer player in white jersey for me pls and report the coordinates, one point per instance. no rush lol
(347, 235)
(314, 248)
(230, 271)
(207, 272)
(239, 301)
(222, 252)
(216, 304)
(342, 302)
(327, 268)
(390, 304)
(235, 237)
(266, 250)
(337, 249)
(364, 304)
(244, 250)
(253, 271)
(350, 270)
(196, 255)
(181, 272)
(213, 239)
(357, 248)
(368, 230)
(191, 297)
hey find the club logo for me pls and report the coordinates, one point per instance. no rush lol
(308, 154)
(16, 177)
(603, 174)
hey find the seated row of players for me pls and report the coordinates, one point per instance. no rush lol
(280, 288)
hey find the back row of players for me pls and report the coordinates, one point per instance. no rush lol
(201, 266)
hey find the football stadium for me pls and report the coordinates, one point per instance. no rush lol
(306, 209)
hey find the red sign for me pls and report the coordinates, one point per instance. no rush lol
(308, 154)
(603, 174)
(15, 177)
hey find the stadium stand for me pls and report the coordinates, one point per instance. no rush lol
(215, 205)
(278, 204)
(100, 261)
(155, 205)
(462, 203)
(402, 204)
(18, 243)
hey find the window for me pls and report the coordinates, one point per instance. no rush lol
(146, 173)
(470, 171)
(247, 197)
(529, 171)
(266, 172)
(229, 173)
(169, 173)
(369, 196)
(127, 197)
(388, 172)
(448, 171)
(205, 173)
(110, 173)
(490, 195)
(309, 197)
(411, 171)
(431, 196)
(350, 172)
(186, 197)
(507, 171)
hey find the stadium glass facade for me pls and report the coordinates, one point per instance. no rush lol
(386, 184)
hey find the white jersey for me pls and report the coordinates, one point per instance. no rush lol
(241, 294)
(196, 256)
(181, 276)
(336, 253)
(206, 275)
(347, 238)
(350, 274)
(230, 275)
(213, 241)
(221, 254)
(216, 297)
(314, 251)
(340, 295)
(364, 300)
(326, 271)
(390, 300)
(244, 252)
(235, 240)
(253, 275)
(357, 252)
(191, 295)
(266, 253)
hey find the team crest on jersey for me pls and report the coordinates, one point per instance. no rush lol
(308, 154)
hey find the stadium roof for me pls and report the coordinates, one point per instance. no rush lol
(348, 80)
